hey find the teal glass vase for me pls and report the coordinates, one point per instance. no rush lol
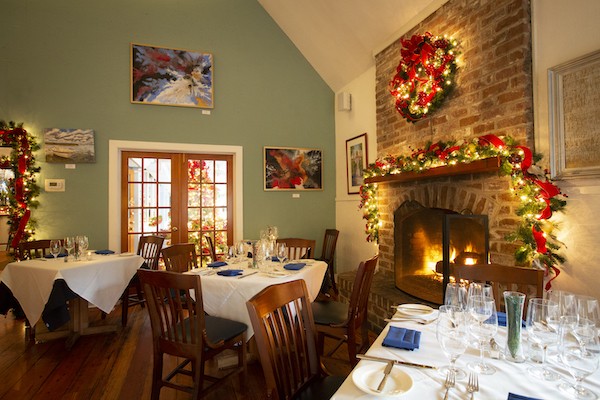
(514, 303)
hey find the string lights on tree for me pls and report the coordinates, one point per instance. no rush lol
(539, 197)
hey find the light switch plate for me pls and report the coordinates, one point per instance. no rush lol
(54, 185)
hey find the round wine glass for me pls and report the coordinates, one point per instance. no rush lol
(542, 328)
(456, 295)
(483, 325)
(83, 243)
(240, 250)
(451, 334)
(281, 252)
(579, 351)
(55, 247)
(566, 301)
(479, 289)
(69, 244)
(589, 309)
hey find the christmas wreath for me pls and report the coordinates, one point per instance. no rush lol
(539, 196)
(424, 75)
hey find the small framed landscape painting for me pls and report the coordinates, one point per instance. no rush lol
(288, 168)
(171, 77)
(356, 162)
(69, 146)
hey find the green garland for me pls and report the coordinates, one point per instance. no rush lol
(539, 197)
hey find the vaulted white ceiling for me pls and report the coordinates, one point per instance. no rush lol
(340, 37)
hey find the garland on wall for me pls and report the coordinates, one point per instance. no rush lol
(424, 76)
(539, 196)
(22, 188)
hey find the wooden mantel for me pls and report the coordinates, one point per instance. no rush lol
(475, 167)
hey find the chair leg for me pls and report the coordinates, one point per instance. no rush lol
(157, 376)
(352, 347)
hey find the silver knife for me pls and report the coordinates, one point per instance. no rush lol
(397, 362)
(251, 273)
(386, 374)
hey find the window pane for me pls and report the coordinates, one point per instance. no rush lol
(164, 218)
(194, 170)
(220, 218)
(149, 195)
(150, 172)
(208, 195)
(164, 195)
(221, 195)
(150, 220)
(135, 169)
(164, 170)
(209, 171)
(194, 223)
(221, 171)
(194, 195)
(134, 195)
(134, 222)
(208, 219)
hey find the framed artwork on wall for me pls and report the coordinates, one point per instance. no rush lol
(290, 168)
(356, 162)
(171, 77)
(69, 146)
(575, 117)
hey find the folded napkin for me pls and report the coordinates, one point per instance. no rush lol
(216, 264)
(104, 252)
(502, 319)
(294, 266)
(402, 338)
(512, 396)
(59, 255)
(275, 259)
(230, 272)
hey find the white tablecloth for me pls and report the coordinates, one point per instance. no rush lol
(428, 384)
(100, 281)
(226, 296)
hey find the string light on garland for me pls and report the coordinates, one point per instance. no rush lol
(425, 74)
(539, 197)
(23, 189)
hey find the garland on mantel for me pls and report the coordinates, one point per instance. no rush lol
(22, 188)
(539, 196)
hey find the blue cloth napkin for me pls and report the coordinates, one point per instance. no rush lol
(104, 252)
(502, 319)
(275, 259)
(59, 255)
(230, 272)
(216, 264)
(512, 396)
(402, 338)
(294, 266)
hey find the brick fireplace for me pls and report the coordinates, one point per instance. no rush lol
(493, 95)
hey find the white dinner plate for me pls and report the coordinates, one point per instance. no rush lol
(276, 274)
(414, 310)
(369, 374)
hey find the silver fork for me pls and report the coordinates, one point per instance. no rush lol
(473, 384)
(450, 381)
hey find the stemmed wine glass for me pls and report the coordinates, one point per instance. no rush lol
(589, 309)
(566, 301)
(83, 244)
(456, 295)
(451, 334)
(240, 250)
(483, 325)
(579, 351)
(281, 252)
(55, 247)
(542, 327)
(69, 244)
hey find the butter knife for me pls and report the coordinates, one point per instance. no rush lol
(386, 374)
(396, 362)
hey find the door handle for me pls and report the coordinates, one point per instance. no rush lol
(174, 229)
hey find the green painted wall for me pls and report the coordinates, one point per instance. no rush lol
(65, 64)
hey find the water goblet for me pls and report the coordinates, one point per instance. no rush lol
(281, 252)
(542, 329)
(566, 301)
(456, 295)
(579, 351)
(83, 244)
(589, 309)
(451, 334)
(479, 289)
(69, 244)
(55, 247)
(240, 250)
(483, 325)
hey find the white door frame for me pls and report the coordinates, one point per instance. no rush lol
(115, 149)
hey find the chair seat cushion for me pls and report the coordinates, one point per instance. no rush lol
(323, 388)
(223, 329)
(329, 312)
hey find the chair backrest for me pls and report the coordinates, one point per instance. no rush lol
(149, 247)
(299, 248)
(33, 249)
(211, 247)
(329, 243)
(359, 298)
(176, 311)
(180, 257)
(529, 281)
(285, 335)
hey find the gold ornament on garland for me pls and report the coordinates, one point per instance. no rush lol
(424, 76)
(538, 195)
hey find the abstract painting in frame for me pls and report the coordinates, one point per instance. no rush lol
(289, 168)
(172, 77)
(69, 146)
(356, 162)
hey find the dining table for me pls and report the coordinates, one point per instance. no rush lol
(96, 279)
(225, 295)
(424, 380)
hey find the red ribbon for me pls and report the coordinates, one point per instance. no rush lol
(21, 228)
(540, 240)
(491, 139)
(527, 158)
(556, 273)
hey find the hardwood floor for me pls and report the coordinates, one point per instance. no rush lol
(106, 366)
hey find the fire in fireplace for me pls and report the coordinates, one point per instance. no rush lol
(427, 242)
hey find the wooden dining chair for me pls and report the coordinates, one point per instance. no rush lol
(211, 248)
(180, 257)
(149, 248)
(181, 329)
(529, 281)
(285, 336)
(33, 249)
(327, 255)
(342, 321)
(298, 248)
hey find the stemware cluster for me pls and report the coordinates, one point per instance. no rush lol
(76, 244)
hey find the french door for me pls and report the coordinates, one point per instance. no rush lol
(183, 197)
